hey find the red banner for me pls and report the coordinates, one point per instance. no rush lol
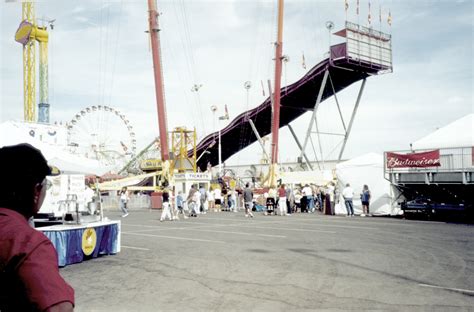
(425, 159)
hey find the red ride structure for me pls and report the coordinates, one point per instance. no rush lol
(158, 73)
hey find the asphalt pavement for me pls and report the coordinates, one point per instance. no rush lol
(222, 261)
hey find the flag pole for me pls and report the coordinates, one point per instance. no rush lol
(357, 12)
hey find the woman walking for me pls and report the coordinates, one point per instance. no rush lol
(123, 201)
(166, 213)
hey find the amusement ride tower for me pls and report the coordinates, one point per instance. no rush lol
(27, 34)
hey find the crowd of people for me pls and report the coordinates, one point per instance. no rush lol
(29, 276)
(284, 200)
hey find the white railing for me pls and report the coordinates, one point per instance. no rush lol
(111, 202)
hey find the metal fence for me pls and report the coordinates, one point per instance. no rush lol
(111, 202)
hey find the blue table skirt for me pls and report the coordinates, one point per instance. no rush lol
(68, 243)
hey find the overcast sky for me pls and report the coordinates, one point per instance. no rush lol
(99, 53)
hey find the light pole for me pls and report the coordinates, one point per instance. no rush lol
(202, 154)
(213, 110)
(247, 86)
(329, 27)
(220, 154)
(223, 117)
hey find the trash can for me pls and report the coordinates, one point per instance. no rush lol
(156, 200)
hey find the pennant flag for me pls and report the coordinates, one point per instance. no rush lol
(304, 62)
(357, 10)
(346, 5)
(380, 13)
(389, 18)
(226, 115)
(125, 148)
(369, 17)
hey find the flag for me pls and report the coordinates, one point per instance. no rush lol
(125, 148)
(380, 13)
(346, 5)
(369, 17)
(357, 10)
(303, 62)
(226, 115)
(389, 18)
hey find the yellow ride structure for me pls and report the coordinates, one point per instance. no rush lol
(159, 174)
(182, 141)
(27, 34)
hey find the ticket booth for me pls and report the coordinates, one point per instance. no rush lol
(184, 181)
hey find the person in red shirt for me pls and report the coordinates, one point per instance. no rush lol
(29, 274)
(282, 199)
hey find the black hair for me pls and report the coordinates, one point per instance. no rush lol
(18, 194)
(23, 167)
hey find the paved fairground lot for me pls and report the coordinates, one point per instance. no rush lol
(225, 262)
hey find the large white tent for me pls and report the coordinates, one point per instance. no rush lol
(11, 133)
(365, 169)
(318, 177)
(459, 133)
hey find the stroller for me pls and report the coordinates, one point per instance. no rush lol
(271, 206)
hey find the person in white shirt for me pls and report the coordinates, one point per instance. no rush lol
(348, 194)
(233, 200)
(123, 201)
(308, 198)
(210, 199)
(217, 199)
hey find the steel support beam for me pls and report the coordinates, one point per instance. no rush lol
(259, 138)
(337, 103)
(313, 117)
(352, 119)
(299, 146)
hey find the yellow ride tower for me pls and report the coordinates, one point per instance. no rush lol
(27, 34)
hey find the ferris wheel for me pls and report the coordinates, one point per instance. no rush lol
(102, 133)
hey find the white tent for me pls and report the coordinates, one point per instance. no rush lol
(318, 177)
(12, 134)
(459, 133)
(365, 169)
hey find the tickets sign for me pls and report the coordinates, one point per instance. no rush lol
(417, 160)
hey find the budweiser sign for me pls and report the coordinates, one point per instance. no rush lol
(425, 159)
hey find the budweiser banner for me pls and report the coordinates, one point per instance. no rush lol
(425, 159)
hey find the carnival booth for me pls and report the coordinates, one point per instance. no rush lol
(184, 181)
(77, 228)
(77, 242)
